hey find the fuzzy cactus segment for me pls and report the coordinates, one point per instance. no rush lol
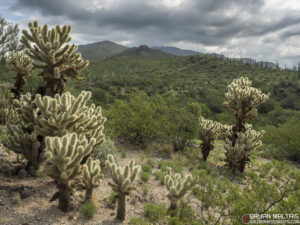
(123, 179)
(177, 187)
(208, 133)
(91, 177)
(64, 155)
(51, 53)
(65, 114)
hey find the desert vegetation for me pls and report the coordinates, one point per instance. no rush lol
(138, 141)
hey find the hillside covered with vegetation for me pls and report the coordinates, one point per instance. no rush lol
(188, 139)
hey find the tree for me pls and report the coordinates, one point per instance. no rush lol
(8, 38)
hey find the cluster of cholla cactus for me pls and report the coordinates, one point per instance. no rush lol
(53, 56)
(177, 187)
(208, 132)
(22, 65)
(122, 182)
(243, 100)
(55, 126)
(64, 155)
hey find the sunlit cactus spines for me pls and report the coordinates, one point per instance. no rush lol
(177, 187)
(91, 178)
(66, 114)
(123, 179)
(51, 53)
(208, 133)
(21, 64)
(237, 156)
(26, 144)
(64, 155)
(243, 100)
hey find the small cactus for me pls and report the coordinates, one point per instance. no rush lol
(177, 187)
(122, 182)
(208, 133)
(91, 178)
(64, 155)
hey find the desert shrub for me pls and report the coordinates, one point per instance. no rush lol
(145, 188)
(146, 168)
(159, 175)
(145, 176)
(155, 212)
(134, 120)
(138, 221)
(88, 210)
(101, 152)
(284, 140)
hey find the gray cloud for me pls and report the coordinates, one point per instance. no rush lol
(217, 23)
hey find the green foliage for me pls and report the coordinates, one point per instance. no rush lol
(134, 120)
(146, 168)
(159, 175)
(88, 209)
(16, 199)
(106, 148)
(145, 188)
(284, 140)
(8, 37)
(123, 154)
(155, 212)
(145, 176)
(138, 221)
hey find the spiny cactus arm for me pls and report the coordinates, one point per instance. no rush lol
(208, 129)
(250, 138)
(122, 178)
(65, 153)
(91, 173)
(243, 99)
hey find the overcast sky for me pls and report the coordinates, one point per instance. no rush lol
(259, 29)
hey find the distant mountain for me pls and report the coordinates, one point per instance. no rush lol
(145, 52)
(100, 50)
(176, 51)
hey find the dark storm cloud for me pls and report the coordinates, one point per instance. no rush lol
(210, 23)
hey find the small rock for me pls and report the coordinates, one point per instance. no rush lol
(22, 174)
(113, 214)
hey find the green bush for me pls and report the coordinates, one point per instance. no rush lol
(284, 140)
(104, 150)
(88, 210)
(138, 221)
(145, 176)
(159, 175)
(134, 120)
(146, 168)
(155, 212)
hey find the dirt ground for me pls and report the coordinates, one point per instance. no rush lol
(34, 208)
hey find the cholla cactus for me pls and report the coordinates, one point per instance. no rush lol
(208, 133)
(22, 65)
(122, 182)
(91, 178)
(243, 99)
(50, 53)
(177, 187)
(22, 138)
(66, 114)
(238, 155)
(57, 116)
(64, 155)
